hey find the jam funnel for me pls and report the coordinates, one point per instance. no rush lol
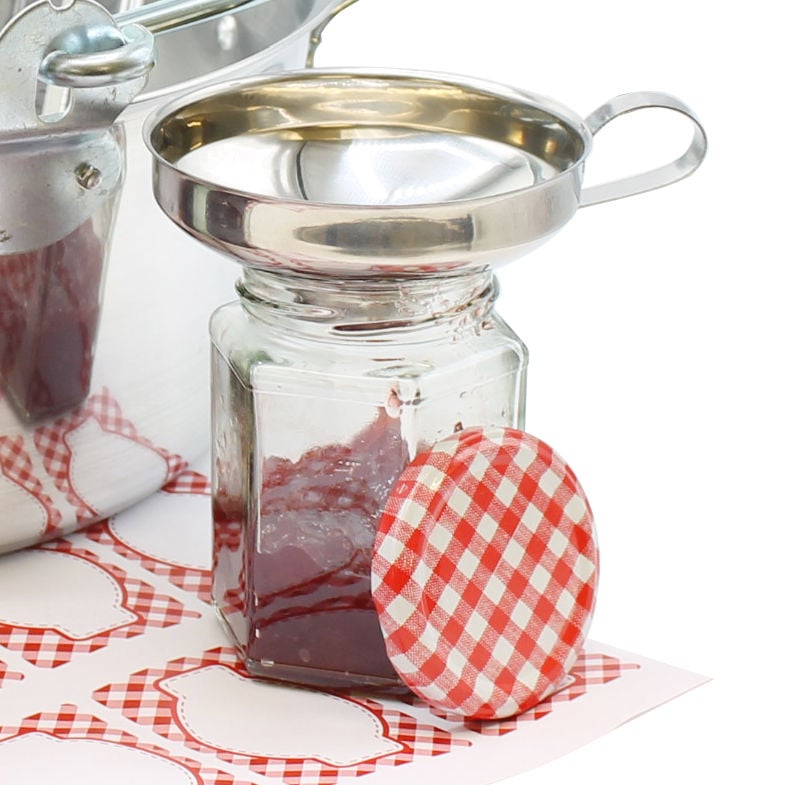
(356, 173)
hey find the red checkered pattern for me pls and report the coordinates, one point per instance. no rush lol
(187, 578)
(7, 675)
(49, 648)
(227, 539)
(234, 600)
(16, 465)
(484, 572)
(591, 670)
(50, 441)
(189, 481)
(227, 535)
(142, 700)
(68, 722)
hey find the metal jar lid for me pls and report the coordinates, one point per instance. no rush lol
(484, 572)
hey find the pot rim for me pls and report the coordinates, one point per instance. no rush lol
(314, 20)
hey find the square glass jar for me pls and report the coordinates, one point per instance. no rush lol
(323, 391)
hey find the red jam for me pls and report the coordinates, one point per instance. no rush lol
(310, 610)
(50, 301)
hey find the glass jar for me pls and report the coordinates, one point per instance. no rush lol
(323, 391)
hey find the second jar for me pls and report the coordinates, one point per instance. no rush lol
(324, 389)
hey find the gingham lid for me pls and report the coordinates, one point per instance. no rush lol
(484, 572)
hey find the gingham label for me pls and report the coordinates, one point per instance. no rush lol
(188, 577)
(139, 608)
(70, 724)
(484, 573)
(7, 676)
(16, 465)
(153, 698)
(52, 442)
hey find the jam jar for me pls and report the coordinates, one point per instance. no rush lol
(324, 389)
(364, 361)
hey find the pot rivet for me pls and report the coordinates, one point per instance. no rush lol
(87, 175)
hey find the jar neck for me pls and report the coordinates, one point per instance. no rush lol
(361, 306)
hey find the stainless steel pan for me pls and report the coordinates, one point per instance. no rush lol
(143, 410)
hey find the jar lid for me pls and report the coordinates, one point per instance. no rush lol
(484, 572)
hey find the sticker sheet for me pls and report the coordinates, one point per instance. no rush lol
(114, 667)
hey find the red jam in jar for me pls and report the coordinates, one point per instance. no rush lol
(312, 601)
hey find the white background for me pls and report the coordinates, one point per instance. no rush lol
(656, 327)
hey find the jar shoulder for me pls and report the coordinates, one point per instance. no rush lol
(245, 342)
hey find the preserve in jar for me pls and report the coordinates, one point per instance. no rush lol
(323, 391)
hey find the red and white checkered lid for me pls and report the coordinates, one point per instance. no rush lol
(484, 572)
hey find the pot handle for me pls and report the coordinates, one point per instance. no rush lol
(131, 59)
(317, 34)
(682, 167)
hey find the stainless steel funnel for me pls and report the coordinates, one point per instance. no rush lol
(370, 173)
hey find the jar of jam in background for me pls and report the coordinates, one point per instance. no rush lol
(324, 389)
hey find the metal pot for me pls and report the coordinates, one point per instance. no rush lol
(143, 417)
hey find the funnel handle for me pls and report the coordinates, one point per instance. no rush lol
(682, 167)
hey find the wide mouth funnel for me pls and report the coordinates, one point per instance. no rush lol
(368, 173)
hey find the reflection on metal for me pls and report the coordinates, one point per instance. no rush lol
(361, 173)
(124, 49)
